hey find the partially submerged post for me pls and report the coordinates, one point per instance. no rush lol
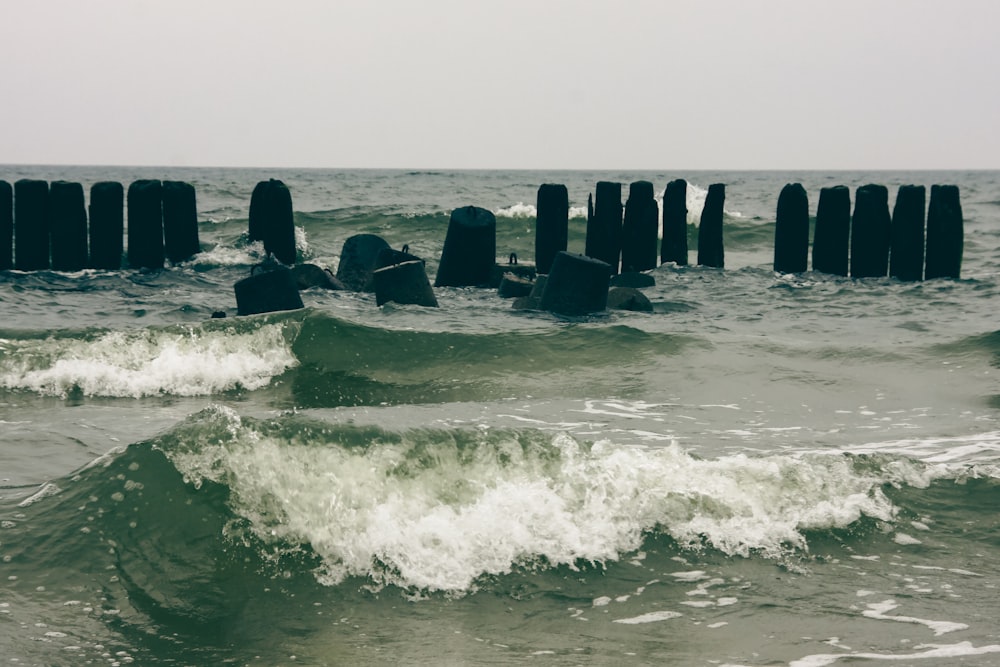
(107, 225)
(674, 245)
(31, 225)
(6, 226)
(145, 224)
(906, 251)
(791, 230)
(833, 230)
(552, 224)
(470, 249)
(68, 226)
(710, 248)
(272, 220)
(944, 233)
(180, 221)
(870, 232)
(604, 225)
(639, 229)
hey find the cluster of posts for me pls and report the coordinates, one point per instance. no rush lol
(48, 226)
(872, 243)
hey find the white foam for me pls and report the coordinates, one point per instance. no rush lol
(878, 611)
(462, 513)
(651, 617)
(190, 361)
(519, 210)
(933, 651)
(696, 196)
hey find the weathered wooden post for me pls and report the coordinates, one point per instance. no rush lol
(31, 225)
(833, 231)
(604, 225)
(6, 226)
(145, 224)
(107, 225)
(870, 232)
(710, 247)
(180, 221)
(272, 220)
(639, 228)
(906, 250)
(791, 230)
(68, 226)
(945, 231)
(674, 245)
(552, 224)
(470, 249)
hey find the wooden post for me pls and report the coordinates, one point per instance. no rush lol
(145, 224)
(833, 231)
(944, 233)
(470, 248)
(791, 230)
(272, 220)
(552, 224)
(180, 221)
(870, 232)
(710, 247)
(604, 226)
(107, 225)
(639, 228)
(906, 251)
(6, 226)
(31, 225)
(674, 245)
(68, 226)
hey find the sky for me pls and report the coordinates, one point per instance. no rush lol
(532, 84)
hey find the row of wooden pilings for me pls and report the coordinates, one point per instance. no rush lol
(49, 226)
(870, 243)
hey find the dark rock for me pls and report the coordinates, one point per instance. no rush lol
(628, 298)
(311, 275)
(357, 261)
(633, 279)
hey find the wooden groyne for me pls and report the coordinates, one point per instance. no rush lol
(48, 226)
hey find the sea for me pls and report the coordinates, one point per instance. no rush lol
(767, 469)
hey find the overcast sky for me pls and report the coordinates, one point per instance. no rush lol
(539, 84)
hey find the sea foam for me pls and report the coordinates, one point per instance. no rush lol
(436, 510)
(179, 361)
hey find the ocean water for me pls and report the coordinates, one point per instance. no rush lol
(767, 469)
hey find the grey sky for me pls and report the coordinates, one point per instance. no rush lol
(643, 84)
